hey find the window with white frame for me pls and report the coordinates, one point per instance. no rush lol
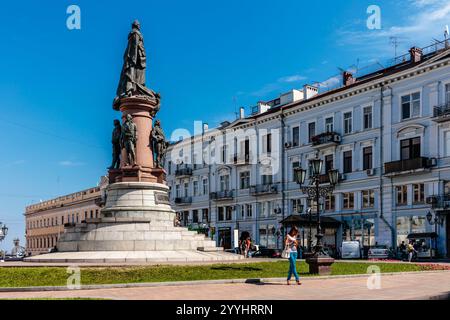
(329, 125)
(296, 204)
(368, 199)
(348, 122)
(402, 195)
(348, 202)
(267, 143)
(447, 94)
(224, 183)
(419, 193)
(205, 186)
(311, 131)
(249, 210)
(244, 179)
(447, 143)
(295, 136)
(330, 203)
(186, 189)
(410, 105)
(195, 187)
(177, 191)
(367, 117)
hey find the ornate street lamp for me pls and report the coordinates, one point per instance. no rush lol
(319, 262)
(4, 231)
(437, 221)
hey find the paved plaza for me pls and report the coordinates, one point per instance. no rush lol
(403, 286)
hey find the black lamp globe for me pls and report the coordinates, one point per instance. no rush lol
(316, 166)
(299, 175)
(333, 175)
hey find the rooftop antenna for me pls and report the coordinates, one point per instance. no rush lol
(446, 34)
(394, 41)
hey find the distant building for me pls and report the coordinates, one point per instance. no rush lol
(45, 220)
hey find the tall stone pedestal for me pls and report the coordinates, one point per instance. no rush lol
(320, 265)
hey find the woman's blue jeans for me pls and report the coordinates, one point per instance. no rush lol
(293, 266)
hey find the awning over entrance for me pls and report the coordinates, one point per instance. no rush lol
(422, 235)
(303, 221)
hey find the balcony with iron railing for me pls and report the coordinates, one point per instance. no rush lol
(183, 172)
(264, 189)
(441, 113)
(183, 200)
(222, 195)
(326, 139)
(409, 165)
(439, 202)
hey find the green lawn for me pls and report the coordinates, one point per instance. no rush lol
(56, 276)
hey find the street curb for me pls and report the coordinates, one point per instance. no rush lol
(202, 282)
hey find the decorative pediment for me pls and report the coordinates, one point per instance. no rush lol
(410, 130)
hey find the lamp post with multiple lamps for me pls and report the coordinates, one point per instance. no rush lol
(437, 221)
(3, 233)
(319, 262)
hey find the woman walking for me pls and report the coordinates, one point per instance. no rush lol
(291, 244)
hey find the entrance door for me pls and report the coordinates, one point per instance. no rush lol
(225, 238)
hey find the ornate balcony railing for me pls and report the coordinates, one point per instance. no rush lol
(439, 202)
(222, 195)
(325, 139)
(409, 165)
(183, 200)
(264, 189)
(442, 113)
(183, 172)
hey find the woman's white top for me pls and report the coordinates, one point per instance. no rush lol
(291, 243)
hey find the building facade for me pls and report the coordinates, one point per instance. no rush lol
(387, 132)
(45, 221)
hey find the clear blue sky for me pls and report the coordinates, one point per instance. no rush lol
(206, 58)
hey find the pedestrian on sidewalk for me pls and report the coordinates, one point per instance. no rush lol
(411, 251)
(291, 244)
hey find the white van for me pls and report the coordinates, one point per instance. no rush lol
(351, 250)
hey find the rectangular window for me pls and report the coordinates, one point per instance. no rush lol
(330, 203)
(245, 179)
(295, 164)
(447, 94)
(267, 179)
(205, 186)
(348, 161)
(348, 122)
(267, 143)
(368, 199)
(224, 183)
(296, 203)
(177, 191)
(328, 163)
(249, 210)
(367, 117)
(220, 216)
(419, 193)
(410, 148)
(402, 195)
(224, 154)
(311, 131)
(195, 216)
(329, 125)
(195, 184)
(205, 215)
(295, 136)
(410, 105)
(169, 167)
(186, 189)
(348, 201)
(367, 158)
(447, 143)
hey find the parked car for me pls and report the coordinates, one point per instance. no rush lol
(264, 252)
(351, 250)
(379, 252)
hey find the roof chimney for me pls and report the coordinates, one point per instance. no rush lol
(348, 78)
(205, 127)
(241, 113)
(309, 91)
(416, 54)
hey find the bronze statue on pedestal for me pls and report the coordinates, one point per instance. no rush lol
(129, 138)
(117, 145)
(159, 144)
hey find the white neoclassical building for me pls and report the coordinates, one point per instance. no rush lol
(387, 132)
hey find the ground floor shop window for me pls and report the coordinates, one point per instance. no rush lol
(359, 229)
(410, 224)
(267, 236)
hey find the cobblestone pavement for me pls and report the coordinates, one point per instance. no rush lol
(393, 287)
